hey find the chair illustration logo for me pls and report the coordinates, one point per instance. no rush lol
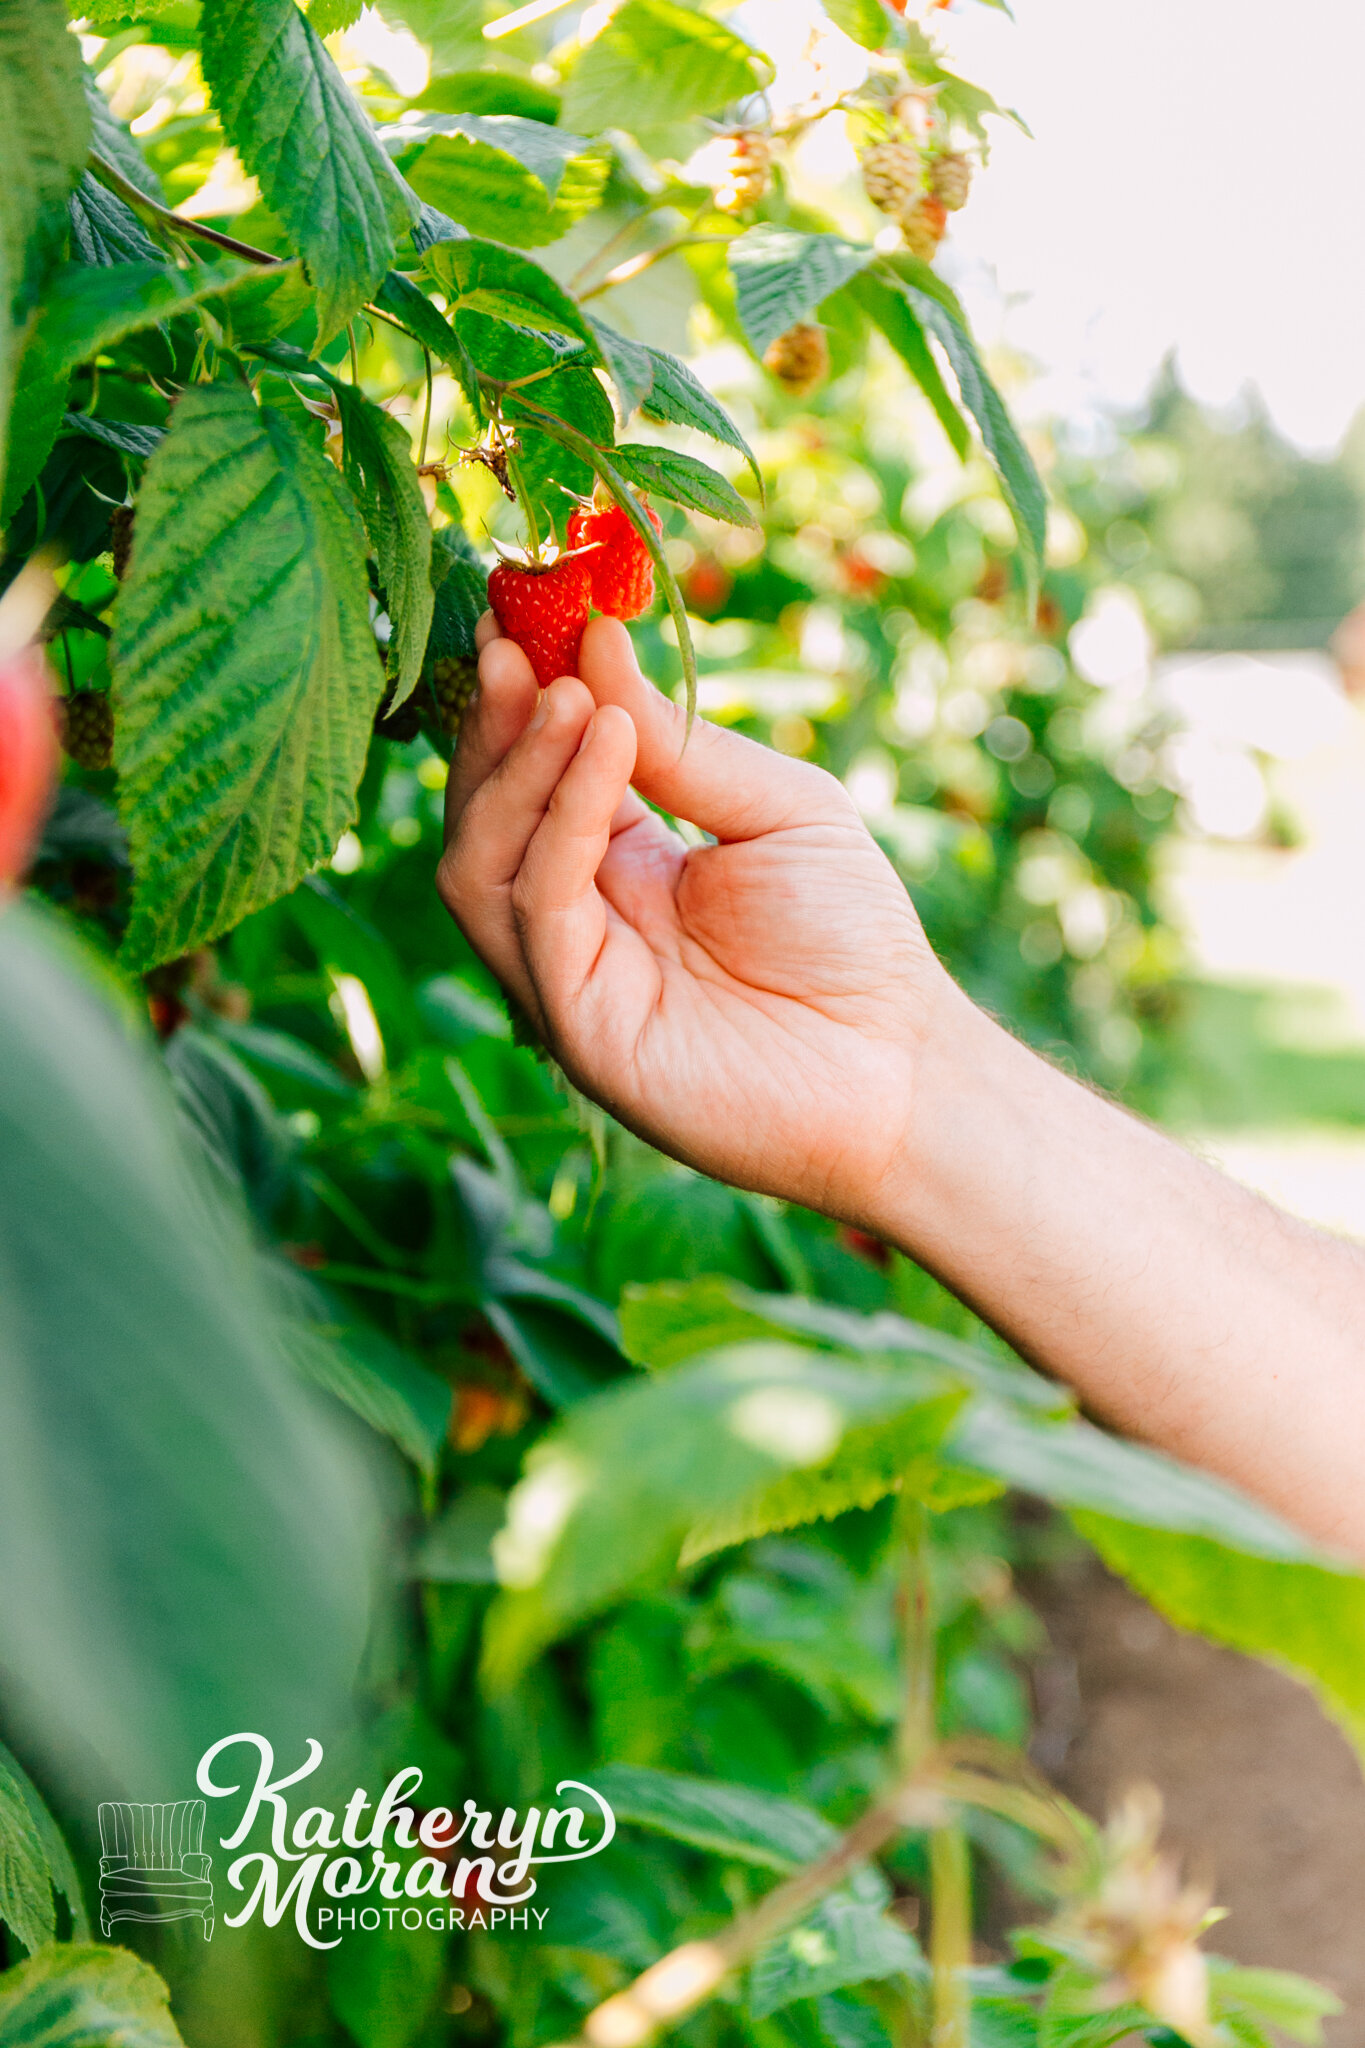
(153, 1865)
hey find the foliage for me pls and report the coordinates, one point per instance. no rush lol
(679, 1488)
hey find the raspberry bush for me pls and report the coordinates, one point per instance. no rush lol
(321, 334)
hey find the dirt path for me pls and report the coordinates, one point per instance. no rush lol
(1261, 1791)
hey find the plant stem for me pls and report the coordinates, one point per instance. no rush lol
(523, 495)
(916, 1733)
(950, 1936)
(635, 266)
(669, 1989)
(426, 410)
(353, 354)
(153, 214)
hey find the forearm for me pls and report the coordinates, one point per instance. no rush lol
(1182, 1308)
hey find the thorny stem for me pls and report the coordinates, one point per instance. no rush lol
(158, 216)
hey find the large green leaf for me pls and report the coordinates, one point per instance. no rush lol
(488, 278)
(1300, 1615)
(735, 1821)
(1079, 1467)
(57, 1859)
(844, 1941)
(890, 309)
(44, 137)
(656, 63)
(305, 137)
(104, 230)
(677, 394)
(500, 174)
(939, 314)
(381, 472)
(683, 480)
(82, 1997)
(245, 671)
(782, 274)
(611, 1494)
(26, 1903)
(186, 1537)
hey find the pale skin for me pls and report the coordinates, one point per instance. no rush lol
(769, 1010)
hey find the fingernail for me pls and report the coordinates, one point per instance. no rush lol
(588, 731)
(540, 714)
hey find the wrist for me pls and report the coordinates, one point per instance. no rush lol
(976, 1091)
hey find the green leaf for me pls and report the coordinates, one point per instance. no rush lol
(1079, 1467)
(782, 274)
(488, 278)
(26, 1903)
(381, 472)
(159, 1602)
(138, 443)
(61, 1870)
(245, 671)
(631, 365)
(541, 150)
(866, 21)
(327, 16)
(85, 1997)
(461, 596)
(347, 943)
(734, 1821)
(1019, 479)
(843, 1942)
(1303, 1617)
(506, 182)
(86, 310)
(678, 396)
(670, 1320)
(1291, 2004)
(611, 1494)
(104, 229)
(45, 126)
(376, 1379)
(682, 480)
(890, 310)
(868, 1465)
(305, 137)
(656, 63)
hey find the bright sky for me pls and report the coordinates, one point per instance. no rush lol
(1196, 180)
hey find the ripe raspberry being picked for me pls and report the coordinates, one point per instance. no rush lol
(544, 608)
(618, 562)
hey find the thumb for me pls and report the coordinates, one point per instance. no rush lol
(728, 785)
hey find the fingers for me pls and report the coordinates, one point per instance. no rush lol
(726, 784)
(561, 917)
(498, 822)
(498, 713)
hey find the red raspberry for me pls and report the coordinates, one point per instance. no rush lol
(619, 565)
(544, 610)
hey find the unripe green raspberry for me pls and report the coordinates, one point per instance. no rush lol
(893, 175)
(453, 680)
(87, 728)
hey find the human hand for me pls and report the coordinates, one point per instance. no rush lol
(756, 1007)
